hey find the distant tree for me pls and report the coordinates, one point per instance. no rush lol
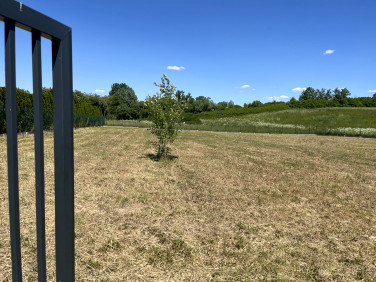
(203, 104)
(323, 94)
(256, 104)
(341, 95)
(121, 99)
(166, 114)
(308, 94)
(374, 96)
(103, 104)
(180, 95)
(222, 105)
(328, 95)
(230, 104)
(292, 99)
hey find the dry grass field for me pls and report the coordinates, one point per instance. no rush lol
(227, 207)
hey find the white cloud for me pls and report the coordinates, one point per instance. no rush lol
(245, 86)
(298, 89)
(175, 68)
(277, 98)
(99, 91)
(329, 52)
(372, 91)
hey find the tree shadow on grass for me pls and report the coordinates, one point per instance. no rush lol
(157, 158)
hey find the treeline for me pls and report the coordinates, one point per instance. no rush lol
(25, 100)
(122, 103)
(85, 114)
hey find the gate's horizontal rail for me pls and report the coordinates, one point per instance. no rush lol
(29, 19)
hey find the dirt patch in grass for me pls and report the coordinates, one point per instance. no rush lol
(229, 207)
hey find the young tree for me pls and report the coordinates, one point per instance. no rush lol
(166, 114)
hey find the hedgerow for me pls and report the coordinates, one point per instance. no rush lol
(85, 114)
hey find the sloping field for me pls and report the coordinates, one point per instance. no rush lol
(322, 117)
(228, 207)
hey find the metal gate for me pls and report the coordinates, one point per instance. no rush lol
(14, 14)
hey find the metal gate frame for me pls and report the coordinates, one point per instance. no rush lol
(15, 14)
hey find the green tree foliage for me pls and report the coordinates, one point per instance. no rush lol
(85, 113)
(221, 106)
(121, 102)
(308, 94)
(341, 95)
(230, 104)
(203, 104)
(255, 104)
(25, 100)
(166, 112)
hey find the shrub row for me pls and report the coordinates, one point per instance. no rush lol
(25, 99)
(25, 120)
(85, 114)
(278, 106)
(238, 111)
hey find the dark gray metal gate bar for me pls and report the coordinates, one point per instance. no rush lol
(63, 141)
(11, 115)
(14, 14)
(39, 154)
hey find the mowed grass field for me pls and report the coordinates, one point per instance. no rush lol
(228, 207)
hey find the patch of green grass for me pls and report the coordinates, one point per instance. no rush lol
(92, 264)
(322, 118)
(323, 121)
(110, 245)
(121, 200)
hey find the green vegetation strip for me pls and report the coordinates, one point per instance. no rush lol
(323, 121)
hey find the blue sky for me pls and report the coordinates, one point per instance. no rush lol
(240, 50)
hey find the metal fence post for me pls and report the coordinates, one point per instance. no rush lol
(39, 156)
(11, 116)
(63, 141)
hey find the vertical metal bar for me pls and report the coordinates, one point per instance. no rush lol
(39, 156)
(11, 118)
(63, 141)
